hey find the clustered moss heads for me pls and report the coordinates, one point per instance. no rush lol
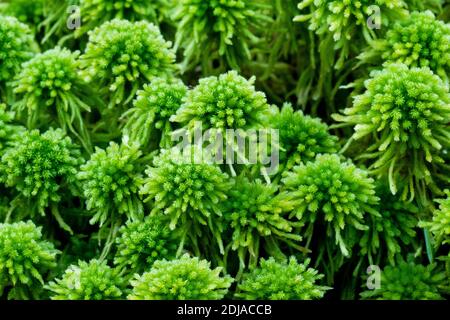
(345, 20)
(153, 107)
(25, 260)
(404, 112)
(223, 31)
(118, 152)
(228, 101)
(121, 56)
(41, 167)
(281, 280)
(421, 40)
(301, 137)
(256, 215)
(50, 88)
(93, 280)
(334, 192)
(185, 278)
(110, 181)
(141, 243)
(187, 193)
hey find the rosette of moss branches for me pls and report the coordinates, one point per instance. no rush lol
(110, 181)
(140, 243)
(403, 115)
(281, 280)
(41, 168)
(301, 136)
(50, 90)
(409, 281)
(392, 233)
(439, 225)
(421, 40)
(9, 130)
(228, 101)
(218, 35)
(188, 193)
(93, 280)
(335, 199)
(183, 279)
(97, 12)
(257, 218)
(152, 109)
(25, 260)
(341, 23)
(17, 46)
(121, 56)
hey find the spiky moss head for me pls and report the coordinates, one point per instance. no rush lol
(409, 281)
(110, 181)
(26, 11)
(224, 30)
(183, 279)
(41, 167)
(8, 130)
(342, 17)
(301, 137)
(255, 210)
(153, 106)
(50, 86)
(393, 231)
(440, 223)
(421, 40)
(93, 280)
(281, 280)
(96, 12)
(25, 259)
(228, 101)
(122, 55)
(141, 243)
(404, 112)
(48, 76)
(17, 46)
(188, 193)
(334, 192)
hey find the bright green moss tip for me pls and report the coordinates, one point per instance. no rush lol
(110, 181)
(183, 279)
(93, 280)
(41, 167)
(404, 115)
(421, 40)
(281, 280)
(333, 192)
(16, 47)
(188, 194)
(301, 137)
(122, 55)
(25, 259)
(141, 243)
(409, 281)
(50, 88)
(256, 212)
(228, 101)
(152, 109)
